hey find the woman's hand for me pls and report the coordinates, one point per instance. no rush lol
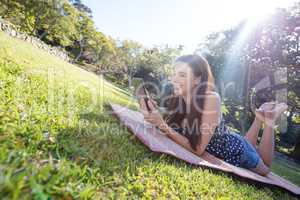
(153, 117)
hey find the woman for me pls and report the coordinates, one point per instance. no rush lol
(194, 119)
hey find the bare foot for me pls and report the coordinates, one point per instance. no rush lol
(273, 114)
(260, 112)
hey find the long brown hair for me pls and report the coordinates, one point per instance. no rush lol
(177, 108)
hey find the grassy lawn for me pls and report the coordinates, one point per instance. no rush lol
(59, 141)
(287, 169)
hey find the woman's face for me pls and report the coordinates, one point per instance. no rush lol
(183, 79)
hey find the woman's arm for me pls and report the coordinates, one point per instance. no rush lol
(179, 139)
(210, 119)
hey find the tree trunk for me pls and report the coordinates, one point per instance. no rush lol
(246, 98)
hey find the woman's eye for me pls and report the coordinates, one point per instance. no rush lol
(182, 74)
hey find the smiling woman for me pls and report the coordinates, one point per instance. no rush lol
(192, 80)
(195, 114)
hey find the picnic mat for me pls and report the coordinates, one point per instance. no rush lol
(157, 142)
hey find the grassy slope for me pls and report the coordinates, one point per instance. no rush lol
(52, 146)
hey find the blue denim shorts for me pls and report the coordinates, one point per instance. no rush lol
(250, 157)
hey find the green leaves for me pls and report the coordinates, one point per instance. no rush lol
(45, 153)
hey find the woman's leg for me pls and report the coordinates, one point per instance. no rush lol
(252, 133)
(266, 146)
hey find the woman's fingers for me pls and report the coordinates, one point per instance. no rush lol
(151, 106)
(148, 118)
(154, 103)
(140, 103)
(145, 113)
(143, 104)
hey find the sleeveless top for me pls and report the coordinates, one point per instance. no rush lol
(223, 144)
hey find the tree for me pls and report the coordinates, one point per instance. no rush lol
(82, 7)
(266, 50)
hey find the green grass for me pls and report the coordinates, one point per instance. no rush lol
(287, 169)
(53, 147)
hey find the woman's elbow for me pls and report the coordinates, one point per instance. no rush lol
(200, 150)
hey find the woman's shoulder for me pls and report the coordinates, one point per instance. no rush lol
(211, 92)
(214, 96)
(213, 103)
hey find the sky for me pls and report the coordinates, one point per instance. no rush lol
(174, 22)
